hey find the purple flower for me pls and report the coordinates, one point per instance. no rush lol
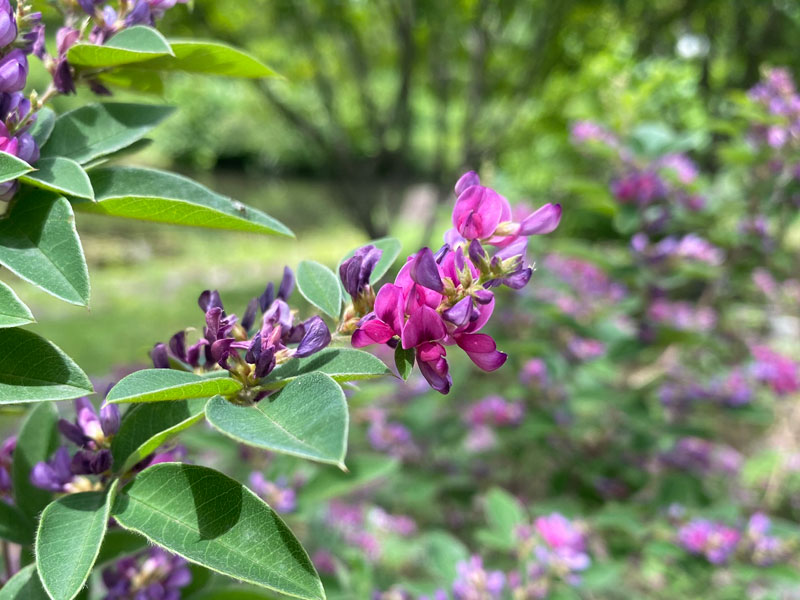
(639, 187)
(90, 430)
(54, 475)
(713, 540)
(390, 437)
(780, 372)
(152, 575)
(8, 24)
(278, 494)
(534, 372)
(473, 582)
(356, 271)
(90, 6)
(13, 71)
(496, 411)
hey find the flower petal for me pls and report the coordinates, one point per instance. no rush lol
(424, 325)
(544, 220)
(425, 272)
(482, 349)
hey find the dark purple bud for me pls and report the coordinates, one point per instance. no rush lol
(109, 419)
(13, 71)
(35, 41)
(255, 349)
(441, 253)
(483, 296)
(348, 273)
(14, 108)
(316, 337)
(86, 462)
(249, 316)
(140, 15)
(459, 314)
(519, 279)
(356, 271)
(72, 432)
(62, 77)
(193, 353)
(287, 284)
(477, 254)
(98, 88)
(425, 271)
(101, 462)
(89, 6)
(266, 299)
(265, 362)
(159, 356)
(209, 299)
(177, 344)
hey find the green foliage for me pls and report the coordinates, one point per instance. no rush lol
(68, 540)
(214, 521)
(37, 371)
(37, 440)
(307, 418)
(61, 175)
(12, 167)
(342, 364)
(209, 58)
(320, 287)
(132, 45)
(12, 311)
(161, 385)
(25, 585)
(15, 525)
(404, 360)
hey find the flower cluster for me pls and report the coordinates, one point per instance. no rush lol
(92, 433)
(716, 541)
(21, 33)
(363, 527)
(780, 372)
(761, 548)
(682, 315)
(776, 92)
(728, 389)
(474, 582)
(278, 494)
(703, 457)
(247, 352)
(153, 575)
(445, 299)
(690, 247)
(388, 436)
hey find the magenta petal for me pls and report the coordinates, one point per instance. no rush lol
(516, 247)
(460, 312)
(424, 325)
(437, 374)
(468, 179)
(478, 211)
(372, 332)
(389, 306)
(482, 349)
(544, 220)
(425, 272)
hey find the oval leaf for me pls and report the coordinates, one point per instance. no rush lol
(308, 418)
(60, 174)
(12, 311)
(160, 385)
(99, 129)
(25, 585)
(43, 125)
(68, 541)
(319, 286)
(15, 525)
(38, 439)
(131, 45)
(151, 195)
(39, 243)
(36, 370)
(146, 426)
(212, 58)
(342, 364)
(210, 519)
(12, 167)
(404, 361)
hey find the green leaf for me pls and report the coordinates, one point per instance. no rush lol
(133, 78)
(443, 552)
(131, 45)
(160, 385)
(210, 519)
(12, 311)
(15, 525)
(150, 195)
(212, 58)
(35, 370)
(343, 364)
(319, 286)
(12, 167)
(404, 361)
(38, 439)
(233, 593)
(25, 585)
(99, 129)
(391, 250)
(68, 541)
(504, 514)
(43, 125)
(364, 470)
(39, 243)
(59, 174)
(308, 418)
(147, 426)
(118, 543)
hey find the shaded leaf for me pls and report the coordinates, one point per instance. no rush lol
(60, 174)
(160, 385)
(12, 167)
(25, 585)
(37, 440)
(150, 195)
(39, 243)
(308, 418)
(319, 286)
(99, 129)
(36, 370)
(15, 525)
(12, 311)
(404, 361)
(43, 125)
(132, 45)
(216, 522)
(343, 364)
(213, 58)
(118, 543)
(133, 78)
(68, 540)
(147, 426)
